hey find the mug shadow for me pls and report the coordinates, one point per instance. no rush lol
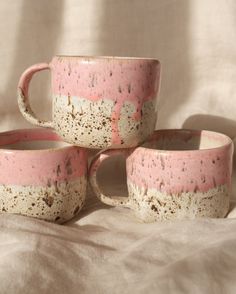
(174, 139)
(111, 177)
(212, 123)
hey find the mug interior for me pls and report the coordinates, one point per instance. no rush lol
(35, 145)
(107, 57)
(182, 140)
(31, 139)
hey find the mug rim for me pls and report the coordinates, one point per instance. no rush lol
(30, 132)
(198, 132)
(111, 57)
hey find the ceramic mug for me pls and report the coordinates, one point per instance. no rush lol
(98, 102)
(41, 176)
(175, 174)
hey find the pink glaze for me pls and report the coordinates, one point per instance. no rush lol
(39, 167)
(182, 171)
(116, 79)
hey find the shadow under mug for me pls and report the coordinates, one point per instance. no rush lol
(98, 102)
(41, 176)
(176, 174)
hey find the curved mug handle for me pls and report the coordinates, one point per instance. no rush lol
(93, 169)
(23, 95)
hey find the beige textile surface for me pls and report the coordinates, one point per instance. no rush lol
(106, 250)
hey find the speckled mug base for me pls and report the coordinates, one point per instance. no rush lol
(152, 205)
(57, 203)
(74, 124)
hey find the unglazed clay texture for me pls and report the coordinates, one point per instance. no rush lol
(56, 203)
(151, 205)
(90, 123)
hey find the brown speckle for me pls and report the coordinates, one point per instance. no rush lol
(93, 81)
(195, 189)
(203, 178)
(69, 101)
(48, 200)
(154, 208)
(129, 88)
(72, 115)
(162, 163)
(68, 167)
(214, 181)
(58, 169)
(56, 187)
(76, 209)
(49, 183)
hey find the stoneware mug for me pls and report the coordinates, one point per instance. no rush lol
(98, 102)
(41, 176)
(176, 174)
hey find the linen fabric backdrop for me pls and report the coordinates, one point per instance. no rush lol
(106, 249)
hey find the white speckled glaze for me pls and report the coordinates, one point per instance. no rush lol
(70, 116)
(175, 174)
(57, 203)
(151, 205)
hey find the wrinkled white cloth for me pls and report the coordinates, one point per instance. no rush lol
(106, 250)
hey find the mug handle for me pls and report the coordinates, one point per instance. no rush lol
(23, 95)
(93, 169)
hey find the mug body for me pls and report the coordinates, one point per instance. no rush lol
(104, 102)
(181, 174)
(39, 177)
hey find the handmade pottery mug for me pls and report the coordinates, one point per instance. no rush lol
(41, 176)
(98, 102)
(175, 174)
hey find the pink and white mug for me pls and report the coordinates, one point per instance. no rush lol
(41, 176)
(175, 174)
(98, 102)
